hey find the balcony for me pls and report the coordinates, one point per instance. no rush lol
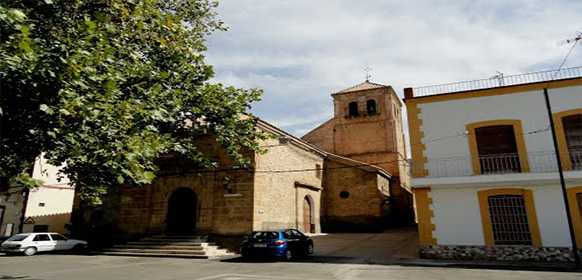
(500, 164)
(539, 162)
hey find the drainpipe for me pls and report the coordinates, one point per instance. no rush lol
(562, 181)
(296, 208)
(26, 194)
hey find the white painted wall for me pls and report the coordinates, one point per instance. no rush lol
(456, 216)
(443, 120)
(458, 219)
(56, 201)
(52, 203)
(551, 216)
(47, 173)
(456, 208)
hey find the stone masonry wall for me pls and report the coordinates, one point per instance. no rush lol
(322, 136)
(12, 202)
(279, 195)
(224, 197)
(363, 208)
(511, 253)
(143, 211)
(375, 139)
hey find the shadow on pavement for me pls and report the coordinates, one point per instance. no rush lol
(550, 267)
(70, 253)
(297, 260)
(358, 248)
(8, 277)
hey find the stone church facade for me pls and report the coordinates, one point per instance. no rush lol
(293, 184)
(367, 127)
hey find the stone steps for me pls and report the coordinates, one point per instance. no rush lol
(146, 243)
(157, 246)
(169, 246)
(203, 237)
(157, 255)
(160, 251)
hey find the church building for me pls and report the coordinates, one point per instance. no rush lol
(367, 127)
(293, 184)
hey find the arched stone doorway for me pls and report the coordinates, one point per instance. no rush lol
(308, 225)
(181, 215)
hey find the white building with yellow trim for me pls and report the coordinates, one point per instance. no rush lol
(485, 175)
(42, 209)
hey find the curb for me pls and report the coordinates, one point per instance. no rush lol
(531, 266)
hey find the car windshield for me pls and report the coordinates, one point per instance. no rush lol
(18, 237)
(265, 235)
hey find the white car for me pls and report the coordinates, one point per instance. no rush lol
(31, 243)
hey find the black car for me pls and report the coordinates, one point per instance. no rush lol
(285, 244)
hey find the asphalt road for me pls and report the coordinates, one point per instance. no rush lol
(65, 267)
(367, 248)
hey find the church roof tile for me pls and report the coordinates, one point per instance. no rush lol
(367, 85)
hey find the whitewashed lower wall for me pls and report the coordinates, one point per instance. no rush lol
(457, 216)
(552, 216)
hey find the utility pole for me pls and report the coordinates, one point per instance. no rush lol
(562, 181)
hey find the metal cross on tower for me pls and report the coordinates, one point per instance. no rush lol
(368, 69)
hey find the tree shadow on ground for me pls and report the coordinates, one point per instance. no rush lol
(419, 263)
(9, 277)
(310, 259)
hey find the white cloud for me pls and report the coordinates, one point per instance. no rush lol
(301, 51)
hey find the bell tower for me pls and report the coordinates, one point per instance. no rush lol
(367, 127)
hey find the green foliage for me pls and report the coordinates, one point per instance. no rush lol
(24, 180)
(107, 86)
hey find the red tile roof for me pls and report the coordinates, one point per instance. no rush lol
(363, 86)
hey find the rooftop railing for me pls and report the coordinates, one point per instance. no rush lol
(539, 162)
(499, 80)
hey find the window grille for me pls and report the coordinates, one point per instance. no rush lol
(509, 220)
(573, 130)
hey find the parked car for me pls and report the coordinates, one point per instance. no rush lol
(31, 243)
(285, 244)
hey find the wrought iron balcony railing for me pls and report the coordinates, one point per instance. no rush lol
(538, 162)
(500, 164)
(499, 80)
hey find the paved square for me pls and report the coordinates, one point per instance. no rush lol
(70, 267)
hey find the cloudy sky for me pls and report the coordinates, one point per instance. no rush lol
(301, 51)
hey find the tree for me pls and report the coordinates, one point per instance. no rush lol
(107, 86)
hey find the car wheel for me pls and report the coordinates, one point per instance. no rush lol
(288, 255)
(310, 249)
(29, 251)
